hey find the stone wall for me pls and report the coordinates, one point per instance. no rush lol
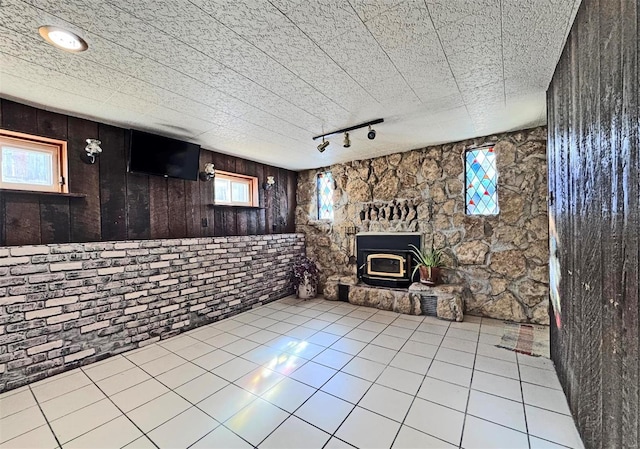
(503, 259)
(66, 305)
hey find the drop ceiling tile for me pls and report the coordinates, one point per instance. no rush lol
(322, 19)
(368, 9)
(359, 54)
(258, 78)
(448, 13)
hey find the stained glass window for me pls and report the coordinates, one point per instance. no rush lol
(325, 196)
(481, 181)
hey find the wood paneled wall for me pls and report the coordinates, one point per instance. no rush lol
(120, 205)
(594, 170)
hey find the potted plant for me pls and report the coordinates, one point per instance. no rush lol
(305, 278)
(429, 263)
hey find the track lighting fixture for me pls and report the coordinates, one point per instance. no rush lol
(347, 142)
(371, 134)
(323, 146)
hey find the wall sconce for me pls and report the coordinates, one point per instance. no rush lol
(93, 149)
(269, 183)
(208, 173)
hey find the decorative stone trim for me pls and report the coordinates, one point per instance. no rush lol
(62, 306)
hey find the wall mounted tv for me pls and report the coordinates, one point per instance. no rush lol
(157, 155)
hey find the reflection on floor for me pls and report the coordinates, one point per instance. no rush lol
(295, 374)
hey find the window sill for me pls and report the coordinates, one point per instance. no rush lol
(229, 206)
(36, 192)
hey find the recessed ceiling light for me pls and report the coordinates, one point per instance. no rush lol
(63, 39)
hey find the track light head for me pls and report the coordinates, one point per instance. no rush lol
(323, 146)
(347, 142)
(371, 134)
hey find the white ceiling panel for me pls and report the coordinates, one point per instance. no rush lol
(260, 78)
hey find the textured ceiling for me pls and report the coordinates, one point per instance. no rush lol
(260, 78)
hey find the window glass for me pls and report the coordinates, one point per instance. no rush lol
(32, 163)
(240, 192)
(233, 189)
(325, 196)
(481, 178)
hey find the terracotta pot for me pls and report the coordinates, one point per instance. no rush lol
(429, 275)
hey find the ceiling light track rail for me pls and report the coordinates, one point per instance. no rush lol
(351, 128)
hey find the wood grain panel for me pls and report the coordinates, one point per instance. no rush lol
(22, 219)
(242, 216)
(207, 213)
(261, 224)
(594, 173)
(177, 207)
(192, 208)
(252, 215)
(271, 202)
(51, 124)
(138, 206)
(292, 182)
(83, 178)
(19, 117)
(55, 220)
(158, 208)
(113, 184)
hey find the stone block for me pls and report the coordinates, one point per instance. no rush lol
(450, 308)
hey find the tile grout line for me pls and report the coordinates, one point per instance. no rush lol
(45, 419)
(120, 410)
(418, 390)
(473, 370)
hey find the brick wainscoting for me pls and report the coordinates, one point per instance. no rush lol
(67, 305)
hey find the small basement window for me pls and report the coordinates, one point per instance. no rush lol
(481, 177)
(233, 189)
(325, 187)
(32, 163)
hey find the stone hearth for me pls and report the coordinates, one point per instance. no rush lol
(447, 299)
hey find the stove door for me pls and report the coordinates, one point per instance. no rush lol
(386, 265)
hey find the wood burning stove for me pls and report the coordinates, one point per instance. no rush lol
(384, 259)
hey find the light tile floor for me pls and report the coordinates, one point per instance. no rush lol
(297, 374)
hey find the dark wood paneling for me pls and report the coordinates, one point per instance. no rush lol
(177, 207)
(113, 184)
(193, 209)
(119, 205)
(83, 178)
(292, 183)
(271, 202)
(51, 125)
(158, 208)
(242, 217)
(23, 219)
(207, 213)
(19, 117)
(262, 212)
(594, 173)
(55, 220)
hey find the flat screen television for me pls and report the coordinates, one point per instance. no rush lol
(157, 155)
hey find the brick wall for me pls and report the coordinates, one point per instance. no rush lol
(67, 305)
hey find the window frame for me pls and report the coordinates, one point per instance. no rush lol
(318, 203)
(250, 181)
(487, 147)
(31, 142)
